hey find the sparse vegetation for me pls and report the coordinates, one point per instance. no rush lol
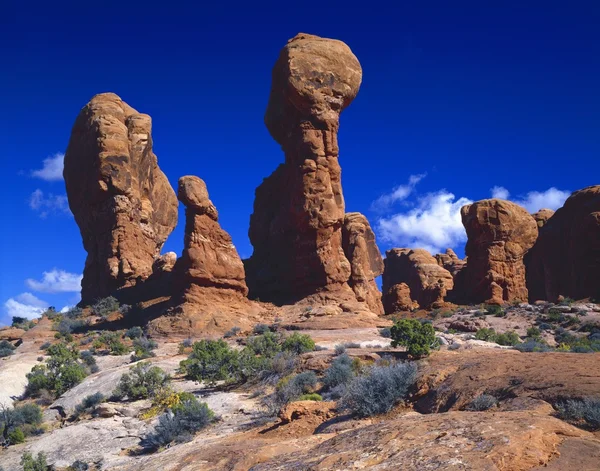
(378, 389)
(184, 346)
(29, 463)
(68, 325)
(19, 422)
(310, 397)
(495, 310)
(88, 403)
(534, 333)
(142, 382)
(166, 399)
(340, 372)
(533, 346)
(386, 332)
(289, 389)
(134, 333)
(351, 345)
(482, 402)
(298, 344)
(340, 349)
(105, 306)
(261, 329)
(143, 348)
(211, 361)
(22, 323)
(581, 412)
(418, 338)
(6, 348)
(232, 332)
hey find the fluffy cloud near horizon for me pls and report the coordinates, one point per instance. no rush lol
(56, 281)
(533, 201)
(399, 193)
(433, 224)
(25, 305)
(52, 168)
(51, 203)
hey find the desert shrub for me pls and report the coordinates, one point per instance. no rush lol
(124, 308)
(105, 306)
(586, 411)
(164, 400)
(488, 335)
(142, 382)
(30, 463)
(339, 372)
(509, 338)
(566, 302)
(134, 333)
(261, 329)
(142, 348)
(534, 333)
(533, 346)
(211, 361)
(6, 348)
(89, 360)
(289, 389)
(320, 348)
(61, 372)
(16, 320)
(179, 424)
(68, 325)
(545, 326)
(283, 364)
(184, 345)
(351, 345)
(266, 345)
(73, 313)
(554, 316)
(386, 332)
(571, 321)
(495, 310)
(379, 389)
(88, 403)
(482, 402)
(418, 338)
(19, 422)
(310, 397)
(45, 345)
(112, 343)
(232, 332)
(340, 349)
(454, 346)
(79, 465)
(298, 344)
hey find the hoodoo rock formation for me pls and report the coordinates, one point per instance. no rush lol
(121, 200)
(566, 257)
(209, 258)
(296, 227)
(366, 264)
(499, 234)
(428, 282)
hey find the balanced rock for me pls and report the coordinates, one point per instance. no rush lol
(499, 234)
(209, 257)
(366, 264)
(122, 202)
(296, 227)
(419, 270)
(565, 260)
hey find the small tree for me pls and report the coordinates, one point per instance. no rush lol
(30, 463)
(142, 381)
(418, 338)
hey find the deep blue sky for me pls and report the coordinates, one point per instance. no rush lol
(472, 95)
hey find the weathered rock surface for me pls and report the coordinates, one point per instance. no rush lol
(542, 216)
(419, 270)
(499, 233)
(296, 227)
(13, 375)
(397, 298)
(566, 257)
(450, 261)
(366, 264)
(121, 200)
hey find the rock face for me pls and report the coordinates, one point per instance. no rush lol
(419, 270)
(209, 257)
(450, 262)
(121, 200)
(499, 234)
(296, 227)
(358, 241)
(542, 216)
(566, 257)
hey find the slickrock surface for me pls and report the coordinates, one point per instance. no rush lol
(296, 227)
(121, 200)
(499, 233)
(419, 270)
(565, 259)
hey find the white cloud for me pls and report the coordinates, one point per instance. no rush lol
(500, 192)
(552, 198)
(56, 281)
(25, 305)
(52, 168)
(399, 193)
(433, 224)
(47, 204)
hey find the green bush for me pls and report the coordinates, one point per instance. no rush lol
(533, 346)
(22, 323)
(113, 343)
(211, 361)
(134, 333)
(310, 397)
(260, 329)
(142, 382)
(143, 348)
(88, 403)
(379, 389)
(105, 306)
(554, 315)
(179, 424)
(16, 436)
(534, 333)
(61, 372)
(298, 344)
(290, 389)
(495, 310)
(340, 348)
(266, 345)
(418, 338)
(6, 348)
(18, 422)
(30, 463)
(386, 332)
(509, 338)
(340, 372)
(487, 335)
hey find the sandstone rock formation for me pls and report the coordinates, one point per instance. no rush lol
(450, 261)
(566, 257)
(209, 257)
(419, 270)
(358, 241)
(296, 227)
(542, 216)
(499, 235)
(121, 200)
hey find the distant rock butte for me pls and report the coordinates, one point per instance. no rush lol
(297, 224)
(566, 257)
(121, 200)
(427, 281)
(499, 234)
